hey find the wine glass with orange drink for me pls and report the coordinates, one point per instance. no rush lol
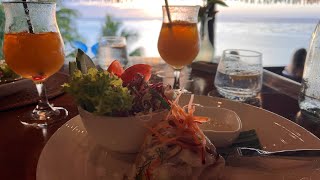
(33, 48)
(178, 43)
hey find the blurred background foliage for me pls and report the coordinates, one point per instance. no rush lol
(66, 22)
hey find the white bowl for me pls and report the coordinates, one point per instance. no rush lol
(224, 125)
(120, 134)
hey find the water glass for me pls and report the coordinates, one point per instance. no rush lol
(239, 74)
(112, 48)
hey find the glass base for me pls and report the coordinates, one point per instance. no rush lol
(44, 118)
(254, 101)
(164, 74)
(236, 94)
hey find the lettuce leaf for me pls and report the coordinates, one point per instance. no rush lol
(100, 92)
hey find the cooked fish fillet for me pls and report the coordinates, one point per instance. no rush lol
(177, 155)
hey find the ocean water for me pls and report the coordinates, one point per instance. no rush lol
(276, 40)
(275, 30)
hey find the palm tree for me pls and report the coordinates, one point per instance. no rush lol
(65, 20)
(69, 32)
(2, 23)
(209, 10)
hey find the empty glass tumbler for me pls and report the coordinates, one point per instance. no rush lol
(239, 74)
(112, 48)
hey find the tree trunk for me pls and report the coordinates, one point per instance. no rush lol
(211, 24)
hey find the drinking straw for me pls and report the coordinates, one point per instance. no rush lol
(26, 11)
(168, 12)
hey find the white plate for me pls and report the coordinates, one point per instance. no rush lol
(70, 154)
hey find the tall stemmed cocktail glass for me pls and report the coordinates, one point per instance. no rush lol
(33, 48)
(178, 42)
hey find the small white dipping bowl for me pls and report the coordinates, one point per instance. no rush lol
(119, 134)
(224, 125)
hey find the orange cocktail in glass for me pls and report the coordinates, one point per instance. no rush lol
(35, 56)
(34, 49)
(178, 43)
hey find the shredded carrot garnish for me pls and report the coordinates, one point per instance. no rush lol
(186, 124)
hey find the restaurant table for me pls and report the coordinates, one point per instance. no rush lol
(21, 146)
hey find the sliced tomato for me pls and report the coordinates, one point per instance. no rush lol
(130, 72)
(116, 68)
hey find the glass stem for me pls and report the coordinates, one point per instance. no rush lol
(176, 84)
(43, 103)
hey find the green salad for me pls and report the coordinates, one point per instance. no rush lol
(100, 92)
(6, 74)
(115, 91)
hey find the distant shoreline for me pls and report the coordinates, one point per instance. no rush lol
(228, 2)
(234, 11)
(199, 2)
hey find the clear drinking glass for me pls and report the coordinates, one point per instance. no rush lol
(33, 48)
(178, 42)
(239, 74)
(111, 48)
